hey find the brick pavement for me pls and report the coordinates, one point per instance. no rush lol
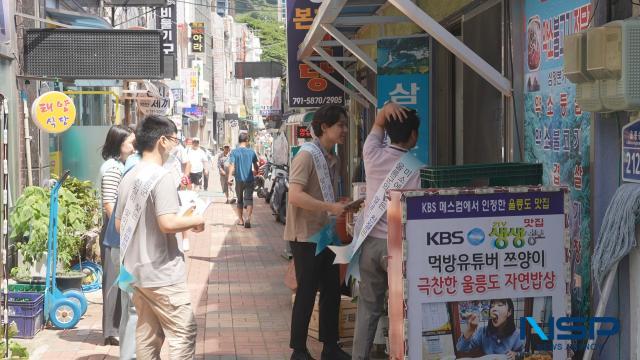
(235, 276)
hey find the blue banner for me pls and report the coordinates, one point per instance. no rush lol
(403, 78)
(557, 130)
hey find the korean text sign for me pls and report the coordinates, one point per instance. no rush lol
(53, 112)
(557, 131)
(197, 37)
(470, 254)
(403, 78)
(307, 88)
(166, 21)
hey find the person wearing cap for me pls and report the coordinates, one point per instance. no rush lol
(198, 160)
(223, 169)
(243, 164)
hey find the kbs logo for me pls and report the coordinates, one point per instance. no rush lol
(445, 238)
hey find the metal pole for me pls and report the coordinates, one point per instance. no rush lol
(5, 217)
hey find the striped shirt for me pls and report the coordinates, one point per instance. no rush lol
(111, 172)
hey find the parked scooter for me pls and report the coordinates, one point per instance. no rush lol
(280, 192)
(263, 166)
(272, 172)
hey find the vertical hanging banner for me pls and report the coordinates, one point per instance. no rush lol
(166, 22)
(403, 77)
(478, 274)
(197, 37)
(307, 88)
(557, 131)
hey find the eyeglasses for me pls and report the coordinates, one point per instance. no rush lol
(172, 138)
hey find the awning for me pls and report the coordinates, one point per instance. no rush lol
(78, 20)
(342, 18)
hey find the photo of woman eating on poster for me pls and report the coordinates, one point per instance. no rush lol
(500, 336)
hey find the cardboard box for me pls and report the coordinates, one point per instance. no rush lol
(347, 318)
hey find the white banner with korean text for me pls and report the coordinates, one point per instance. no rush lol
(482, 269)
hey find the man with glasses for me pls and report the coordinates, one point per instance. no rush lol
(153, 267)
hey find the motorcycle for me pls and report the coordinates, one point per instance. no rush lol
(280, 192)
(263, 170)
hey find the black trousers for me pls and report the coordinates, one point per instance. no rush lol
(315, 273)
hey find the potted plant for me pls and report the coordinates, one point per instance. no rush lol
(29, 221)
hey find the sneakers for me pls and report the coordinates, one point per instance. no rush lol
(334, 352)
(301, 355)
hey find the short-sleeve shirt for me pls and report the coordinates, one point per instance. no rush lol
(197, 158)
(153, 257)
(222, 166)
(301, 224)
(243, 159)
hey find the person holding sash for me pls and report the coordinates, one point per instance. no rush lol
(312, 188)
(151, 262)
(380, 162)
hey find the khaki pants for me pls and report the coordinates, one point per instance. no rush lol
(164, 311)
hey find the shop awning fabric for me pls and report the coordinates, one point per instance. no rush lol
(342, 18)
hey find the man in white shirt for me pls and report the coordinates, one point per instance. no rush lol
(198, 160)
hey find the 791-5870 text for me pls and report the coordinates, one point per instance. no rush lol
(320, 100)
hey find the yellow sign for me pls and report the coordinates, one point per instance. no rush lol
(53, 112)
(56, 163)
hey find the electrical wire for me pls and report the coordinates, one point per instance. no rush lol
(593, 12)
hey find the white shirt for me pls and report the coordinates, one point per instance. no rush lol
(197, 158)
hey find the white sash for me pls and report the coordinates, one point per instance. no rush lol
(136, 204)
(322, 170)
(396, 179)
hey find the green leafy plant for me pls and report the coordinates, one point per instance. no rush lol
(20, 272)
(29, 221)
(16, 351)
(88, 198)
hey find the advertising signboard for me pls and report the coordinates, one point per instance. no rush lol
(474, 266)
(403, 77)
(557, 132)
(307, 88)
(197, 37)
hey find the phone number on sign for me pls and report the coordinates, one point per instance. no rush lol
(317, 100)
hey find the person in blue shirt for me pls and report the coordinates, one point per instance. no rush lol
(500, 336)
(243, 164)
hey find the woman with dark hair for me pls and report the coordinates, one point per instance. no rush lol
(500, 336)
(118, 146)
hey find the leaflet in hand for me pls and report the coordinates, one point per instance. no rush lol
(192, 204)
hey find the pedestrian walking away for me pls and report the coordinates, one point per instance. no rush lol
(118, 146)
(243, 165)
(312, 188)
(223, 168)
(152, 266)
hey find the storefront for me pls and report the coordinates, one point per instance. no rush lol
(485, 101)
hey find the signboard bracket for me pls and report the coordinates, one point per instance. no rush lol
(372, 99)
(349, 45)
(337, 83)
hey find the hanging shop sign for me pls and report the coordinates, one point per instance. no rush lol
(631, 152)
(53, 112)
(557, 131)
(473, 271)
(403, 77)
(307, 88)
(303, 132)
(166, 18)
(197, 37)
(159, 105)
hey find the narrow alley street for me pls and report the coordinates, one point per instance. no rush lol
(235, 275)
